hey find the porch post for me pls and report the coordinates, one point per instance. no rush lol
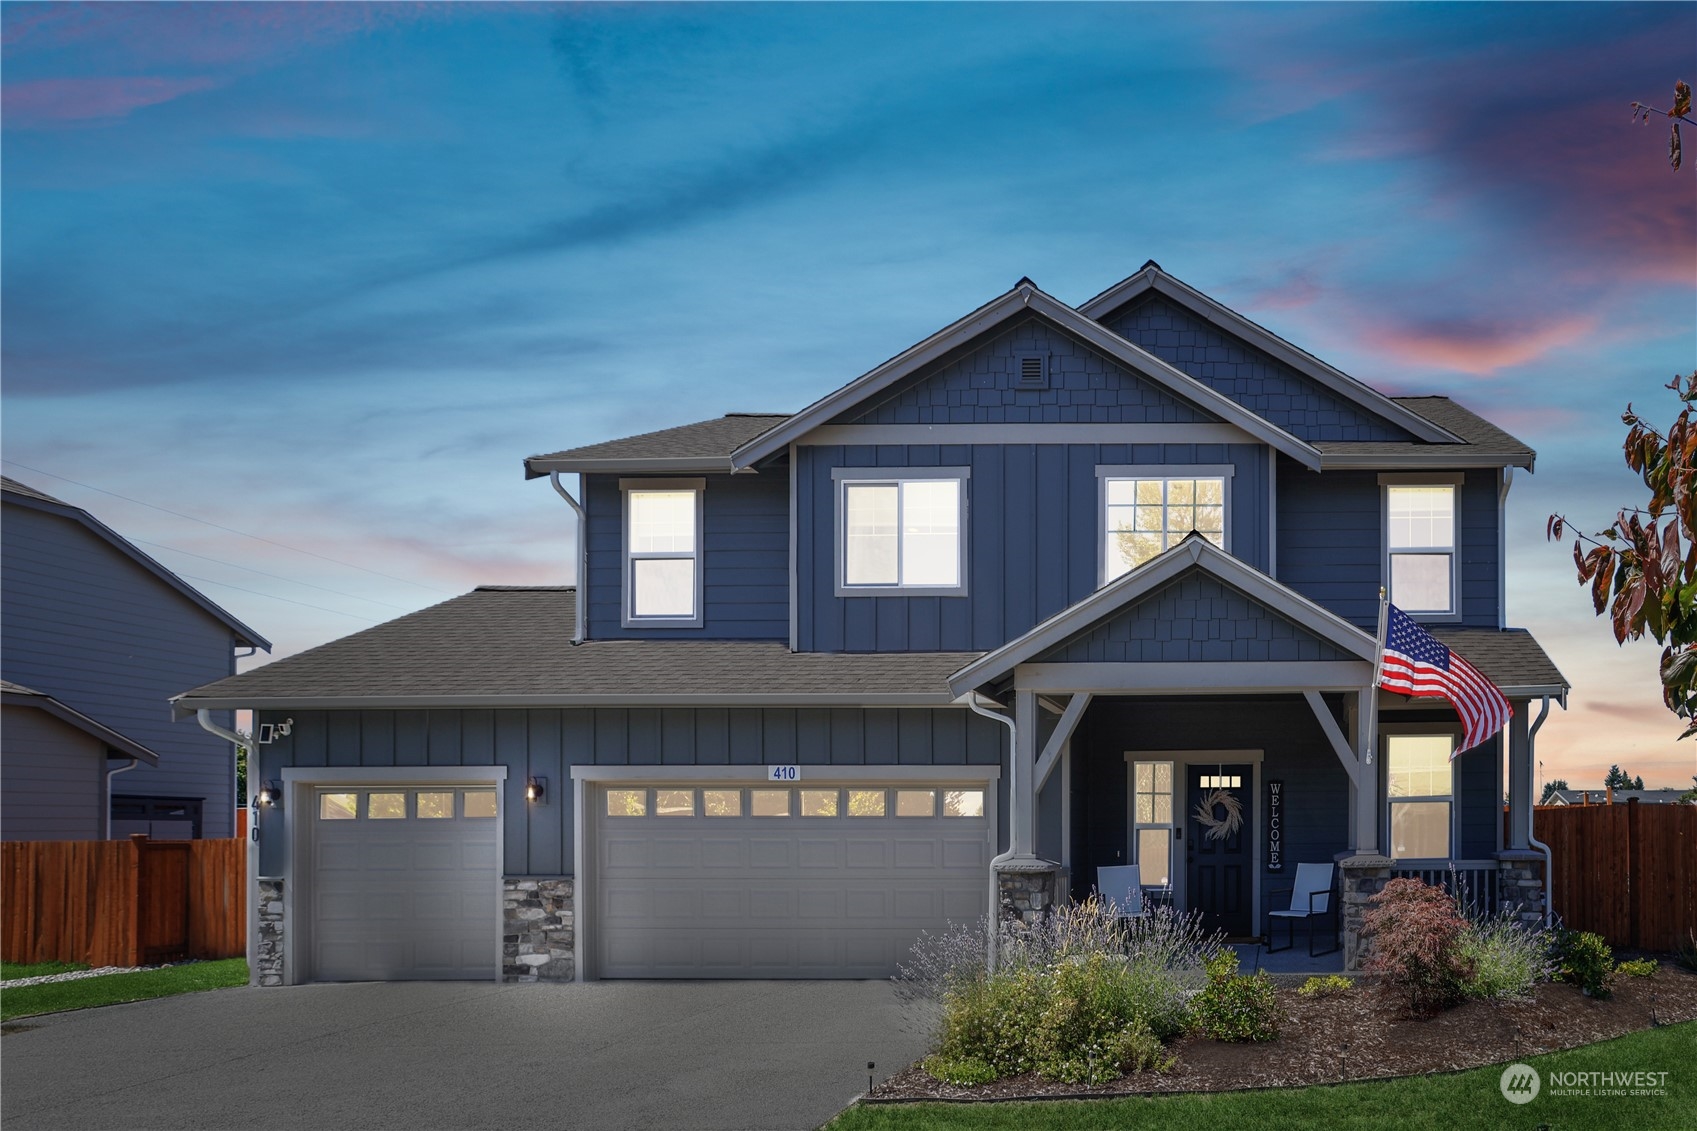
(1519, 777)
(1022, 821)
(1364, 793)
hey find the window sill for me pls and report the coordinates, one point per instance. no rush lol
(901, 590)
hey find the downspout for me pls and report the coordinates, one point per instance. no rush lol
(204, 718)
(110, 774)
(995, 916)
(582, 611)
(1532, 841)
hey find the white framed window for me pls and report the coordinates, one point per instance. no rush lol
(1420, 544)
(1420, 787)
(1145, 510)
(662, 530)
(901, 530)
(1152, 821)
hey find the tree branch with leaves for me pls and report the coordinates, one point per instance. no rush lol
(1680, 113)
(1642, 569)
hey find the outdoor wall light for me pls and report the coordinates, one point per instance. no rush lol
(535, 789)
(271, 794)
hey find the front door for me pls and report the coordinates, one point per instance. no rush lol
(1218, 816)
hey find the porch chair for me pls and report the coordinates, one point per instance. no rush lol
(1121, 888)
(1310, 899)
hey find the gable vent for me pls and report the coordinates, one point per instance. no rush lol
(1033, 371)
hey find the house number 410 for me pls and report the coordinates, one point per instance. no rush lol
(783, 773)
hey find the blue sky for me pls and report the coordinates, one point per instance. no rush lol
(325, 273)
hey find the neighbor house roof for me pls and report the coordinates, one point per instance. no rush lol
(23, 495)
(511, 646)
(704, 446)
(17, 695)
(1621, 796)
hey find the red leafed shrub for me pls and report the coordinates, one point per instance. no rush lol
(1416, 932)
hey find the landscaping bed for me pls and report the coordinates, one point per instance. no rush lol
(1363, 1034)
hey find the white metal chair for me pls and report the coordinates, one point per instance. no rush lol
(1310, 899)
(1121, 888)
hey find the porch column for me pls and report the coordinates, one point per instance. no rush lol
(1022, 820)
(1364, 790)
(1519, 777)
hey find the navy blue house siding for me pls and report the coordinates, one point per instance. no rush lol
(746, 571)
(548, 743)
(1034, 516)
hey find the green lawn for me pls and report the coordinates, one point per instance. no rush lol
(110, 989)
(10, 970)
(1463, 1099)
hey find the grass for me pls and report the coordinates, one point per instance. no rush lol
(110, 989)
(10, 970)
(1458, 1100)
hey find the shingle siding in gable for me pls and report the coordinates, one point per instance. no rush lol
(746, 568)
(1196, 619)
(1264, 385)
(981, 388)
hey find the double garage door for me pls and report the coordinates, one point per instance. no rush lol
(698, 880)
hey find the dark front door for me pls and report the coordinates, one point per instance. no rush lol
(1217, 821)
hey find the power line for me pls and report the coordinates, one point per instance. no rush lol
(276, 576)
(230, 530)
(274, 597)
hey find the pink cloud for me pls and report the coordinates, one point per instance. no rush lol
(51, 102)
(1478, 348)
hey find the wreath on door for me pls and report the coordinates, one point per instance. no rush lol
(1219, 828)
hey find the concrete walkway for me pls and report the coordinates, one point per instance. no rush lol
(609, 1055)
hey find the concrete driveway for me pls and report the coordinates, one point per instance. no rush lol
(608, 1055)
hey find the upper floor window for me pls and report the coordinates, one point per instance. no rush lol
(662, 552)
(1420, 541)
(1148, 509)
(901, 532)
(1420, 783)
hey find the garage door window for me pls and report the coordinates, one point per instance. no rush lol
(435, 805)
(866, 803)
(963, 803)
(480, 803)
(721, 802)
(916, 802)
(627, 802)
(818, 803)
(769, 802)
(674, 802)
(338, 806)
(386, 806)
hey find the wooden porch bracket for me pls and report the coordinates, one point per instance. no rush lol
(1051, 756)
(1340, 745)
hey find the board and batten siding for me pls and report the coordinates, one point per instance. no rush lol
(1331, 542)
(547, 743)
(746, 563)
(87, 625)
(1034, 515)
(55, 778)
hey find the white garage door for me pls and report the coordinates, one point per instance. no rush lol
(803, 882)
(404, 883)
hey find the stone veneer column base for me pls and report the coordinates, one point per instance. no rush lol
(1360, 878)
(1520, 885)
(1028, 889)
(270, 948)
(538, 930)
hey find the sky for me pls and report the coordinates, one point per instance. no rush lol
(287, 292)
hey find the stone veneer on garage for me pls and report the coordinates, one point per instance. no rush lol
(270, 946)
(538, 930)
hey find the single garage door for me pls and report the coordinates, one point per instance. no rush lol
(816, 881)
(404, 883)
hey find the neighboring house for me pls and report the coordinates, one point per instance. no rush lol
(1616, 796)
(1016, 602)
(94, 635)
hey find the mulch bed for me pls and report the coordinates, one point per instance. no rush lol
(1365, 1034)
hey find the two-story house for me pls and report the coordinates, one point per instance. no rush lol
(94, 635)
(1054, 589)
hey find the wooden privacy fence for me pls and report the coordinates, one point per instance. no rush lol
(122, 902)
(1627, 872)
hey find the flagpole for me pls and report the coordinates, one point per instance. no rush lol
(1378, 674)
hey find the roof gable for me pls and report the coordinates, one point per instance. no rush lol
(1022, 300)
(1113, 308)
(704, 446)
(17, 695)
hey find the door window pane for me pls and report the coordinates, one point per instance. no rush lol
(916, 802)
(963, 803)
(674, 803)
(386, 806)
(721, 802)
(818, 803)
(627, 802)
(435, 805)
(769, 802)
(663, 587)
(480, 803)
(866, 803)
(338, 806)
(1154, 857)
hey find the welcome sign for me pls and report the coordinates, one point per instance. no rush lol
(1275, 826)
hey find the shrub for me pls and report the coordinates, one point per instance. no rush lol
(1637, 968)
(1504, 959)
(1686, 952)
(1089, 1031)
(967, 1070)
(1326, 985)
(1583, 959)
(1237, 1007)
(1416, 932)
(992, 1020)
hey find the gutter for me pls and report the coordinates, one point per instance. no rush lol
(1532, 841)
(994, 919)
(204, 718)
(580, 607)
(110, 774)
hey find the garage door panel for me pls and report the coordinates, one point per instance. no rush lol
(767, 853)
(924, 906)
(866, 854)
(915, 853)
(718, 852)
(625, 852)
(820, 905)
(776, 905)
(964, 854)
(962, 906)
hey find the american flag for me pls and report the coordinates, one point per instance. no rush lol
(1416, 664)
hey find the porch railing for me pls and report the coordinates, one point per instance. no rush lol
(1473, 883)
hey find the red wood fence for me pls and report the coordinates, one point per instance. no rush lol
(122, 902)
(1627, 872)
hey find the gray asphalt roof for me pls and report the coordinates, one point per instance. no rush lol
(10, 484)
(708, 443)
(503, 645)
(1483, 437)
(1508, 657)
